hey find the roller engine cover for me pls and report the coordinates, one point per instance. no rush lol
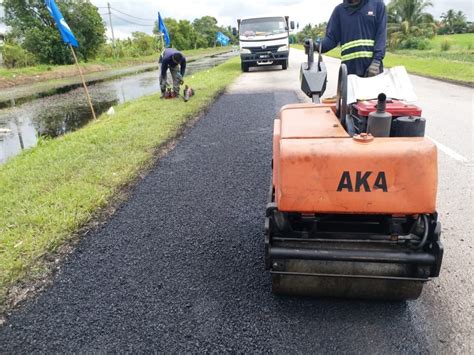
(319, 168)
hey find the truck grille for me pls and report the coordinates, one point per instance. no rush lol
(255, 50)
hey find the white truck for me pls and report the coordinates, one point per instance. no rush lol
(264, 41)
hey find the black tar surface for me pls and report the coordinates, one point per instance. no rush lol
(179, 268)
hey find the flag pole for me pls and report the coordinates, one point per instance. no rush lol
(83, 81)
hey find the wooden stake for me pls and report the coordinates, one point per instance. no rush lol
(83, 82)
(162, 38)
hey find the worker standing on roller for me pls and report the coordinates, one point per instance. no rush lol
(170, 59)
(360, 26)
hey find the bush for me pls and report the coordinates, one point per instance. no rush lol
(420, 43)
(16, 57)
(31, 24)
(445, 45)
(48, 46)
(139, 45)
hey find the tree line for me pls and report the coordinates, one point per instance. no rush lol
(34, 39)
(201, 33)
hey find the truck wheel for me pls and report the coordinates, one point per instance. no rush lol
(284, 64)
(245, 67)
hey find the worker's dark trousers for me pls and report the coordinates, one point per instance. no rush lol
(174, 76)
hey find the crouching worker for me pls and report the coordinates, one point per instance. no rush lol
(170, 59)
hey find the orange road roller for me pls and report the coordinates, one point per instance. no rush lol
(352, 203)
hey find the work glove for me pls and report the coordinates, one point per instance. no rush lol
(373, 69)
(180, 79)
(316, 44)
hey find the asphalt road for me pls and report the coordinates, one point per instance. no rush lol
(179, 268)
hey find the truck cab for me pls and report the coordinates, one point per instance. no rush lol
(264, 41)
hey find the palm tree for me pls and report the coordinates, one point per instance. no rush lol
(411, 11)
(454, 22)
(407, 19)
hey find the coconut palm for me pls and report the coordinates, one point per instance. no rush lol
(408, 19)
(411, 11)
(454, 22)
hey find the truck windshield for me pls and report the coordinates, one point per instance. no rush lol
(263, 26)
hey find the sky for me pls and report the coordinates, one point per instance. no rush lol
(228, 11)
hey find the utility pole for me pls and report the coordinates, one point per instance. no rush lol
(111, 28)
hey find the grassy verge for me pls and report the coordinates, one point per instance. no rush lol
(47, 193)
(464, 41)
(97, 65)
(457, 67)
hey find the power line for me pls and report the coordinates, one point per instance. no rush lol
(139, 18)
(131, 22)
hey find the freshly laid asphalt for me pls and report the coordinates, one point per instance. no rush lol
(179, 267)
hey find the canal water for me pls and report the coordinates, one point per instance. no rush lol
(52, 116)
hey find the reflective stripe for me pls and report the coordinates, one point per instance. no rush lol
(360, 42)
(357, 55)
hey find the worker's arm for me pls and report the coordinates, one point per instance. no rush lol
(381, 32)
(183, 66)
(164, 67)
(333, 33)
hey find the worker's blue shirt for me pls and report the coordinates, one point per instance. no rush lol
(167, 61)
(362, 34)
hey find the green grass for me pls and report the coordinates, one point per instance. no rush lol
(453, 66)
(49, 192)
(109, 63)
(433, 66)
(190, 54)
(458, 42)
(37, 69)
(454, 56)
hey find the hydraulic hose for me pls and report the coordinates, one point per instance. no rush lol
(422, 243)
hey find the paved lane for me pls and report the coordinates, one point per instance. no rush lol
(179, 268)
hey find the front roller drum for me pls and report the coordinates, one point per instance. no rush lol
(340, 279)
(345, 287)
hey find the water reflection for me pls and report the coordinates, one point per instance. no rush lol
(70, 112)
(65, 112)
(17, 134)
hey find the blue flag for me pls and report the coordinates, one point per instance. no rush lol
(222, 39)
(163, 30)
(66, 33)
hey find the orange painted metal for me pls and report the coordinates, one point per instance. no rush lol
(320, 169)
(310, 120)
(276, 149)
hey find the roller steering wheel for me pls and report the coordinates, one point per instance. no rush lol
(310, 51)
(341, 98)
